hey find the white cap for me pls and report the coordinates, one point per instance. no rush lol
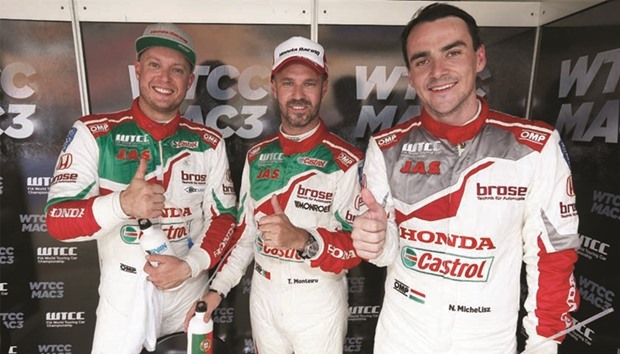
(170, 36)
(299, 49)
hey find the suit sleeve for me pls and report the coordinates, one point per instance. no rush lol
(75, 210)
(377, 183)
(234, 264)
(551, 241)
(336, 252)
(218, 211)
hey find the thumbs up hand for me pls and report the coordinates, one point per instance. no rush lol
(142, 199)
(369, 228)
(278, 231)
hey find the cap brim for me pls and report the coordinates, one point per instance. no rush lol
(144, 43)
(319, 69)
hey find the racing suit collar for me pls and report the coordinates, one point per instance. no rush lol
(456, 134)
(157, 131)
(290, 147)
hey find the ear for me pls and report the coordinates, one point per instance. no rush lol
(481, 58)
(190, 80)
(325, 85)
(137, 68)
(274, 92)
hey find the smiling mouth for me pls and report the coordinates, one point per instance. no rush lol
(442, 87)
(162, 90)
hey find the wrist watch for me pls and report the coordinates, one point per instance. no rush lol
(310, 249)
(217, 292)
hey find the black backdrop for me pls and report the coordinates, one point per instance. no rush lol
(48, 289)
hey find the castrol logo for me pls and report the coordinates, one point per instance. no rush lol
(445, 265)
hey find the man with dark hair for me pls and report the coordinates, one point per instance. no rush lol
(146, 162)
(457, 200)
(297, 201)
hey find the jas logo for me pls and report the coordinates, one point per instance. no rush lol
(421, 168)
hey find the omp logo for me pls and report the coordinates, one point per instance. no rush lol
(210, 138)
(99, 128)
(127, 138)
(12, 320)
(47, 290)
(184, 144)
(54, 348)
(64, 161)
(447, 265)
(252, 152)
(422, 147)
(386, 140)
(130, 234)
(533, 136)
(409, 292)
(309, 161)
(345, 159)
(195, 178)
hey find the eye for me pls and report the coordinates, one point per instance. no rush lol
(420, 62)
(310, 83)
(454, 53)
(178, 71)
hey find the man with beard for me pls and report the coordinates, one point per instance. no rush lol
(146, 162)
(297, 198)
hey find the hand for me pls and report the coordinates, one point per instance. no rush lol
(369, 228)
(169, 273)
(278, 231)
(212, 299)
(142, 199)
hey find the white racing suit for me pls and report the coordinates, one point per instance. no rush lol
(297, 305)
(99, 159)
(467, 206)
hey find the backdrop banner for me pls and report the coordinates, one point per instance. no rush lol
(48, 289)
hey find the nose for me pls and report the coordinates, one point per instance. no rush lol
(298, 91)
(437, 68)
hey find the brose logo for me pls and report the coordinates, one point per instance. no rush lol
(445, 265)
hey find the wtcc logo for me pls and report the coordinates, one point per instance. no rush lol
(54, 348)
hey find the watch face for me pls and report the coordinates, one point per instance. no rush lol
(312, 247)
